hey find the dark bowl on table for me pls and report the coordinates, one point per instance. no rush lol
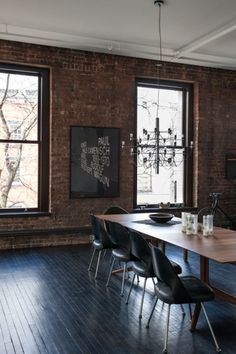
(161, 217)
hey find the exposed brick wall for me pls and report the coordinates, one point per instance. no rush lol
(43, 239)
(99, 90)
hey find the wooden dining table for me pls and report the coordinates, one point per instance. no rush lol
(220, 247)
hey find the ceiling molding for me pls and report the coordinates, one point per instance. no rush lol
(187, 56)
(209, 37)
(3, 28)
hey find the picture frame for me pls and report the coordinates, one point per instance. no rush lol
(94, 162)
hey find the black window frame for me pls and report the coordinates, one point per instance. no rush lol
(187, 89)
(42, 139)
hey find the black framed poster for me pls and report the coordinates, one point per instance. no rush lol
(95, 157)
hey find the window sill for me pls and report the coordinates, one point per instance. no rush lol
(170, 209)
(24, 214)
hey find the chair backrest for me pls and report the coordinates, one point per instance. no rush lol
(140, 249)
(99, 231)
(95, 227)
(115, 209)
(119, 234)
(166, 273)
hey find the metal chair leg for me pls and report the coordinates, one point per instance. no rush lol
(130, 289)
(167, 329)
(153, 308)
(209, 325)
(123, 280)
(190, 311)
(154, 284)
(90, 264)
(111, 258)
(98, 262)
(111, 268)
(141, 307)
(182, 308)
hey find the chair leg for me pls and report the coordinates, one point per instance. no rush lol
(153, 308)
(111, 268)
(123, 280)
(154, 284)
(104, 253)
(182, 308)
(167, 329)
(130, 289)
(111, 258)
(209, 325)
(98, 262)
(190, 311)
(90, 264)
(141, 307)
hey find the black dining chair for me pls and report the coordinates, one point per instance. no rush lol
(119, 236)
(142, 265)
(101, 241)
(111, 210)
(174, 289)
(115, 209)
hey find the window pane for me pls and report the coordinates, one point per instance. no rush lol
(19, 100)
(166, 184)
(19, 175)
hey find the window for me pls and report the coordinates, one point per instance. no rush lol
(164, 174)
(24, 122)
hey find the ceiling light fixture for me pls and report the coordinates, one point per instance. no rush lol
(158, 148)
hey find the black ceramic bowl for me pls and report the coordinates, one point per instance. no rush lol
(161, 217)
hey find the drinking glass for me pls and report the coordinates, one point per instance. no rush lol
(189, 225)
(210, 224)
(184, 221)
(195, 224)
(205, 225)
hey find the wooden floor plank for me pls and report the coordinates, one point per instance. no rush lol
(50, 303)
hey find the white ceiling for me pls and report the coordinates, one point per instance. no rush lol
(201, 32)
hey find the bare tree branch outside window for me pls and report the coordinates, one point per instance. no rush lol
(18, 133)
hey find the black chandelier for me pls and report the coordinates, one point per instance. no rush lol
(159, 148)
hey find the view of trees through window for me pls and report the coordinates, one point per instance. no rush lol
(164, 184)
(18, 140)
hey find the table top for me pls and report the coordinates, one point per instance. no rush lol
(221, 246)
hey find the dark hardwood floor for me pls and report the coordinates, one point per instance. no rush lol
(49, 303)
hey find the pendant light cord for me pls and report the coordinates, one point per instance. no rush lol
(159, 65)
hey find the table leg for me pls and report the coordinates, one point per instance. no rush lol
(224, 296)
(195, 316)
(204, 269)
(120, 270)
(185, 255)
(204, 275)
(163, 246)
